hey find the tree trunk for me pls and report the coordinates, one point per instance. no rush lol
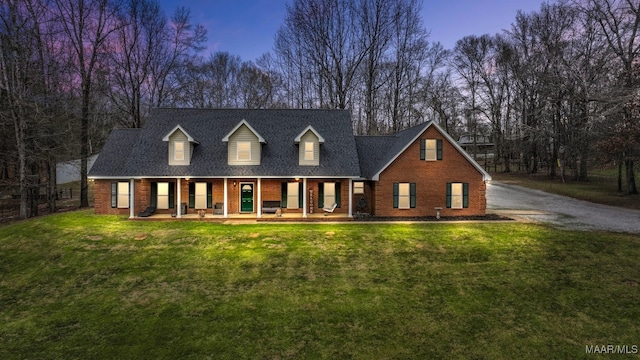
(84, 142)
(631, 181)
(51, 185)
(620, 173)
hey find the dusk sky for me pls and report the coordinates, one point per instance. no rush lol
(247, 28)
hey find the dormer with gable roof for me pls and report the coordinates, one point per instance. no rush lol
(181, 146)
(309, 141)
(244, 145)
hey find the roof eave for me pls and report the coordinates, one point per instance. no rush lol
(243, 122)
(178, 127)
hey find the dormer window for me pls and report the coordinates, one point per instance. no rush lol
(178, 150)
(181, 146)
(244, 151)
(309, 150)
(309, 141)
(244, 145)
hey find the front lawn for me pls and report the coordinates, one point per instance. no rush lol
(76, 285)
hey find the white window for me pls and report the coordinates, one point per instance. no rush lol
(178, 150)
(329, 193)
(163, 195)
(456, 195)
(123, 195)
(358, 187)
(244, 150)
(201, 195)
(404, 196)
(308, 150)
(292, 195)
(431, 150)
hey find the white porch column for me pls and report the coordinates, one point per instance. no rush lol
(259, 205)
(179, 202)
(304, 198)
(350, 198)
(225, 214)
(132, 200)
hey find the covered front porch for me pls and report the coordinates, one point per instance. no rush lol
(269, 199)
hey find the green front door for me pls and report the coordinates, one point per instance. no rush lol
(246, 198)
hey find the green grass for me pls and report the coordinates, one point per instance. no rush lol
(76, 285)
(602, 187)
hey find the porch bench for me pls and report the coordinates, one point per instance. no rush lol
(270, 206)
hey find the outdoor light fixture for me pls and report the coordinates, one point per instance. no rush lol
(234, 183)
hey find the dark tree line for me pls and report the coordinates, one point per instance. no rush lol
(559, 87)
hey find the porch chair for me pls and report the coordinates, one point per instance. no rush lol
(147, 212)
(329, 209)
(217, 209)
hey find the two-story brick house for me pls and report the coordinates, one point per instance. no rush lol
(232, 161)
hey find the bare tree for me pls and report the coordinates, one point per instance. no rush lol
(27, 80)
(87, 25)
(134, 49)
(332, 46)
(619, 22)
(411, 58)
(255, 87)
(177, 46)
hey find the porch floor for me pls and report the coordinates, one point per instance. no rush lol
(252, 217)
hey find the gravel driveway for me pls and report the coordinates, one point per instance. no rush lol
(561, 211)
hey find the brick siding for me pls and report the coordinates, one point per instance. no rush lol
(431, 178)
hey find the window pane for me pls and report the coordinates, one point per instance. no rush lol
(456, 196)
(358, 187)
(403, 196)
(163, 195)
(329, 194)
(308, 150)
(292, 195)
(244, 150)
(123, 195)
(178, 153)
(201, 195)
(430, 149)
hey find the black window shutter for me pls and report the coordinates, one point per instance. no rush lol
(192, 195)
(439, 149)
(114, 194)
(172, 193)
(338, 194)
(283, 200)
(449, 195)
(209, 195)
(465, 195)
(300, 194)
(154, 194)
(423, 147)
(396, 190)
(320, 195)
(412, 198)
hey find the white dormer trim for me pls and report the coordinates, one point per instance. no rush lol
(309, 128)
(178, 127)
(243, 122)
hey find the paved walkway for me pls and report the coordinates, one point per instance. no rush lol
(561, 211)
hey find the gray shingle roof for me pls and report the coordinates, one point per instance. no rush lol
(376, 152)
(116, 150)
(148, 155)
